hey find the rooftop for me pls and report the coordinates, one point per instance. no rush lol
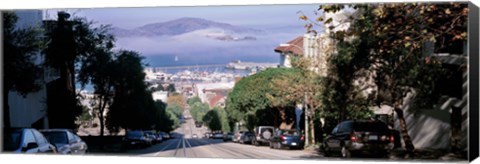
(295, 47)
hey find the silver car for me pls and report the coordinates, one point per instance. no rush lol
(65, 141)
(26, 140)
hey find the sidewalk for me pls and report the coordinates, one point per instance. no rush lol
(427, 154)
(419, 154)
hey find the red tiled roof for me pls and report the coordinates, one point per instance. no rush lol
(292, 49)
(215, 100)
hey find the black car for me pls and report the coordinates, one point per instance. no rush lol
(246, 138)
(359, 136)
(65, 141)
(26, 140)
(287, 138)
(136, 138)
(198, 124)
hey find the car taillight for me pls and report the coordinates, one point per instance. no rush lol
(353, 138)
(392, 139)
(283, 137)
(302, 138)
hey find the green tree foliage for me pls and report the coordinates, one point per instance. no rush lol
(252, 93)
(178, 100)
(85, 118)
(390, 40)
(223, 119)
(21, 47)
(166, 122)
(198, 110)
(132, 105)
(175, 109)
(212, 120)
(171, 88)
(96, 69)
(193, 100)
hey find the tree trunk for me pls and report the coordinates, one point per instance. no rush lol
(101, 124)
(312, 130)
(403, 128)
(6, 109)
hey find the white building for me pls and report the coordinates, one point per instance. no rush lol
(160, 95)
(31, 111)
(206, 91)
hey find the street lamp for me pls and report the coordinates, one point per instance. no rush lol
(304, 103)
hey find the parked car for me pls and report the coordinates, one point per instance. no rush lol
(194, 136)
(246, 138)
(287, 138)
(262, 135)
(26, 140)
(236, 137)
(217, 135)
(136, 138)
(65, 141)
(228, 137)
(207, 135)
(359, 136)
(165, 135)
(153, 136)
(198, 124)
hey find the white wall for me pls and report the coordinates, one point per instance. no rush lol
(25, 111)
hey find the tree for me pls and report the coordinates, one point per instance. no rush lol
(178, 100)
(193, 100)
(223, 119)
(68, 41)
(304, 87)
(391, 40)
(213, 120)
(21, 47)
(175, 109)
(96, 69)
(171, 88)
(166, 122)
(132, 104)
(252, 93)
(198, 110)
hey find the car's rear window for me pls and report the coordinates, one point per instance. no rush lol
(370, 127)
(11, 140)
(56, 137)
(291, 133)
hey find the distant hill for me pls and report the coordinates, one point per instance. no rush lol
(184, 26)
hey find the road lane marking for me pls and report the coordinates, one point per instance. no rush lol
(176, 149)
(184, 149)
(191, 149)
(158, 153)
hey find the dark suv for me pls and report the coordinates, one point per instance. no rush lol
(359, 136)
(262, 135)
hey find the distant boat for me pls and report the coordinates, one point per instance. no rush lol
(176, 58)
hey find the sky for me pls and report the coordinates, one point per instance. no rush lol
(247, 15)
(280, 22)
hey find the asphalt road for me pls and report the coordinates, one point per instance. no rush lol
(183, 145)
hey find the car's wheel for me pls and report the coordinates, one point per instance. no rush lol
(345, 152)
(270, 145)
(326, 152)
